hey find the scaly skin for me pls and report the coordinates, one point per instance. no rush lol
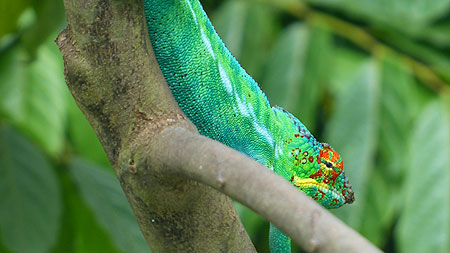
(227, 105)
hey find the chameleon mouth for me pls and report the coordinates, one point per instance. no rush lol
(322, 192)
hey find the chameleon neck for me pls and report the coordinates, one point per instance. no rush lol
(208, 83)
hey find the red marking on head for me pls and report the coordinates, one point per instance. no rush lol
(316, 175)
(318, 159)
(305, 153)
(335, 200)
(248, 95)
(323, 193)
(338, 171)
(292, 179)
(311, 159)
(297, 135)
(334, 176)
(326, 180)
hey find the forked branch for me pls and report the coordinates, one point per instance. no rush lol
(172, 176)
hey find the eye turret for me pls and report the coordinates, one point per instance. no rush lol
(331, 164)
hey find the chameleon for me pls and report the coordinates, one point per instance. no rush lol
(226, 104)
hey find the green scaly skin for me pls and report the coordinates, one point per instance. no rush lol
(227, 105)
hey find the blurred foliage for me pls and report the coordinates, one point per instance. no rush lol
(370, 77)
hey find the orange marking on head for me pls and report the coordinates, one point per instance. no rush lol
(335, 156)
(325, 154)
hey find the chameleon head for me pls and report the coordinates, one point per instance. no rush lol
(326, 181)
(313, 167)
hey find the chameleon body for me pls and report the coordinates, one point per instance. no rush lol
(227, 105)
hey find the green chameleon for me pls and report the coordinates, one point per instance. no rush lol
(227, 105)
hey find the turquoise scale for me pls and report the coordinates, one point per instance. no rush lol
(222, 100)
(227, 105)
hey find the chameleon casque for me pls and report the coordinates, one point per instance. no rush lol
(227, 105)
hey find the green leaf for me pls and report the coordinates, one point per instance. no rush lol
(379, 209)
(30, 205)
(248, 29)
(80, 230)
(295, 72)
(343, 66)
(45, 25)
(231, 30)
(399, 105)
(437, 34)
(256, 227)
(102, 193)
(283, 80)
(433, 57)
(319, 55)
(10, 11)
(34, 95)
(12, 84)
(45, 99)
(405, 15)
(397, 109)
(3, 248)
(352, 132)
(424, 225)
(89, 235)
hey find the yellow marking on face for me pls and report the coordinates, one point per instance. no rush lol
(308, 182)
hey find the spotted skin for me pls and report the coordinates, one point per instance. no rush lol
(227, 105)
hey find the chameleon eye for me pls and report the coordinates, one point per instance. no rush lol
(329, 165)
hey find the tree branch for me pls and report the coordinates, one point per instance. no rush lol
(112, 73)
(165, 167)
(245, 180)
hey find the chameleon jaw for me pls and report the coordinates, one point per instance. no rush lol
(320, 192)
